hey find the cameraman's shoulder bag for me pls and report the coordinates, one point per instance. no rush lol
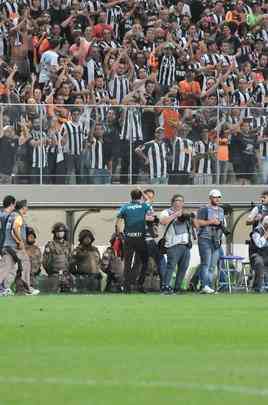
(161, 243)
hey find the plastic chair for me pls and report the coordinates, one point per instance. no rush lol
(228, 270)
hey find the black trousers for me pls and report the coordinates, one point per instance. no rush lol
(56, 171)
(125, 168)
(180, 178)
(138, 247)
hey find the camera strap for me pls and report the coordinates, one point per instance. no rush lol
(167, 228)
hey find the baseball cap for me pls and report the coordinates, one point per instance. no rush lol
(215, 193)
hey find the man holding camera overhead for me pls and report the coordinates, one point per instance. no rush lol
(178, 241)
(211, 229)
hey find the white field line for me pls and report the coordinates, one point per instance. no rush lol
(234, 389)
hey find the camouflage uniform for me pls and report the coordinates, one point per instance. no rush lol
(85, 264)
(112, 265)
(56, 263)
(35, 257)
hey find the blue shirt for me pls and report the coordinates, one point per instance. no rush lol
(207, 213)
(133, 214)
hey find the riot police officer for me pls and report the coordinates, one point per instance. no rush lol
(56, 260)
(34, 253)
(85, 264)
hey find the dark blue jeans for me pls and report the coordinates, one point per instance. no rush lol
(178, 255)
(209, 257)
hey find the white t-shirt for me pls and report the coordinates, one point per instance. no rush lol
(173, 238)
(48, 59)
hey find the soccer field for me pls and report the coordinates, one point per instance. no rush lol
(117, 349)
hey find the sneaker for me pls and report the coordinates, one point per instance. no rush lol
(32, 291)
(6, 292)
(207, 290)
(168, 291)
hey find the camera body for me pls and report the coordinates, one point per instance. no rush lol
(186, 217)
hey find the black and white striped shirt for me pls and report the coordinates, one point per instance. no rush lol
(231, 81)
(39, 152)
(132, 127)
(12, 10)
(3, 41)
(105, 45)
(261, 94)
(210, 59)
(75, 136)
(218, 19)
(228, 60)
(166, 74)
(96, 149)
(182, 154)
(240, 99)
(119, 87)
(259, 122)
(114, 17)
(157, 156)
(204, 165)
(78, 85)
(93, 6)
(263, 147)
(246, 53)
(93, 69)
(44, 4)
(99, 95)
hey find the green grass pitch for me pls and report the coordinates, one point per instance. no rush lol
(134, 350)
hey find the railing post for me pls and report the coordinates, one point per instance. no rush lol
(130, 153)
(218, 136)
(41, 130)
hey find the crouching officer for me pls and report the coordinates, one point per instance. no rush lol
(259, 254)
(34, 253)
(134, 214)
(85, 264)
(56, 260)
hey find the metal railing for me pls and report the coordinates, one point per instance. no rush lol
(110, 144)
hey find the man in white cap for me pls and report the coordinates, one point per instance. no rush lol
(259, 254)
(210, 221)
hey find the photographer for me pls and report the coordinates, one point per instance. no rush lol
(259, 254)
(211, 229)
(258, 213)
(179, 229)
(254, 219)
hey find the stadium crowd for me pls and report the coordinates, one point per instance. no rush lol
(141, 257)
(98, 91)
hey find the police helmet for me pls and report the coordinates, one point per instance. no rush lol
(84, 234)
(30, 231)
(59, 227)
